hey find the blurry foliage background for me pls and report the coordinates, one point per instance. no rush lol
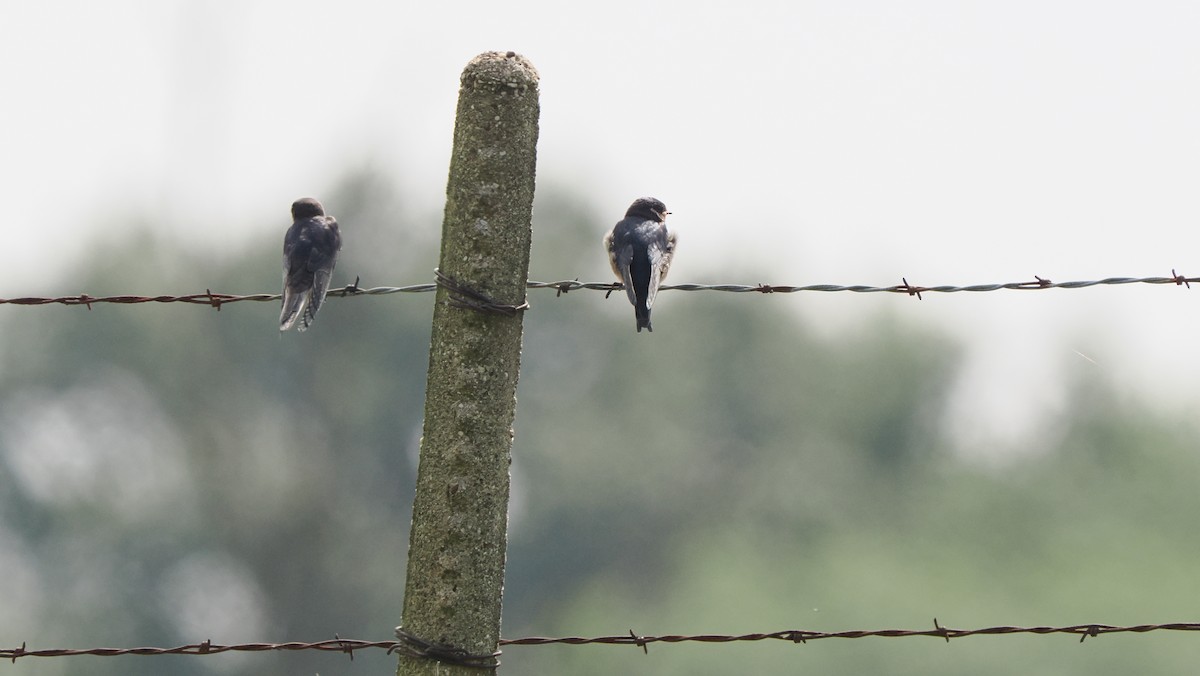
(170, 474)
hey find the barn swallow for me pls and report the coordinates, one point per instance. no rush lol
(310, 250)
(640, 250)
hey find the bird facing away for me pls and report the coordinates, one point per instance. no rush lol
(640, 250)
(310, 250)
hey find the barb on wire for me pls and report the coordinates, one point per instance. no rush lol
(216, 300)
(349, 646)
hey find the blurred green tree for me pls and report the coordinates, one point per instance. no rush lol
(170, 474)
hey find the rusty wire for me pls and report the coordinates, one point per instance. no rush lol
(349, 646)
(216, 300)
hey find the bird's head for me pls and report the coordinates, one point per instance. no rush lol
(649, 209)
(306, 208)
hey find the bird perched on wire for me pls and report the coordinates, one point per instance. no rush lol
(640, 250)
(310, 250)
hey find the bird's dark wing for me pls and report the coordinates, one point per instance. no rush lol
(620, 245)
(624, 264)
(296, 279)
(326, 241)
(661, 253)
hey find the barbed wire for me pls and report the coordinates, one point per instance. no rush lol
(216, 300)
(349, 646)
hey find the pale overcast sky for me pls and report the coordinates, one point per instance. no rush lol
(817, 142)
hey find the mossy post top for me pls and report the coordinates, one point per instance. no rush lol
(500, 69)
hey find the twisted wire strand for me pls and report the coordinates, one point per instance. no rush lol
(349, 646)
(216, 300)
